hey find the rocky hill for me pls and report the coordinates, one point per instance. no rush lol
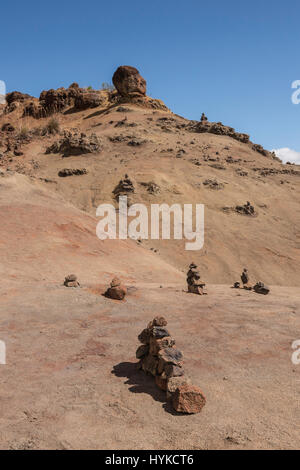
(71, 360)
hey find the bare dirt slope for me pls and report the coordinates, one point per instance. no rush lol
(71, 380)
(156, 146)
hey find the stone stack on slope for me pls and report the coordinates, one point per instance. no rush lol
(195, 285)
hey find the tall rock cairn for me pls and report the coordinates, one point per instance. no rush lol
(160, 358)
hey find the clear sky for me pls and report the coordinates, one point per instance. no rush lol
(234, 60)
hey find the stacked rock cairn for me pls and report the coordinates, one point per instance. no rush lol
(259, 287)
(71, 281)
(195, 286)
(125, 187)
(159, 357)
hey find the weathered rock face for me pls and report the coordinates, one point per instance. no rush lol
(159, 357)
(129, 82)
(75, 143)
(116, 290)
(188, 399)
(72, 171)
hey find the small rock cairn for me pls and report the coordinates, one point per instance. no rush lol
(116, 290)
(159, 357)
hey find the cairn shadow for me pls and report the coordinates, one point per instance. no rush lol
(141, 383)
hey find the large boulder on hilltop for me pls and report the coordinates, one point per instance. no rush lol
(129, 82)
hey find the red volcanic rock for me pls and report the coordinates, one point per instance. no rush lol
(117, 293)
(188, 399)
(128, 81)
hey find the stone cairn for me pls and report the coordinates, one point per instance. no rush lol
(159, 357)
(245, 277)
(195, 286)
(71, 281)
(116, 290)
(259, 287)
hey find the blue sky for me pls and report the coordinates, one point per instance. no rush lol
(234, 60)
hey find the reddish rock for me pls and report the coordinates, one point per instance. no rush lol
(129, 82)
(116, 293)
(188, 399)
